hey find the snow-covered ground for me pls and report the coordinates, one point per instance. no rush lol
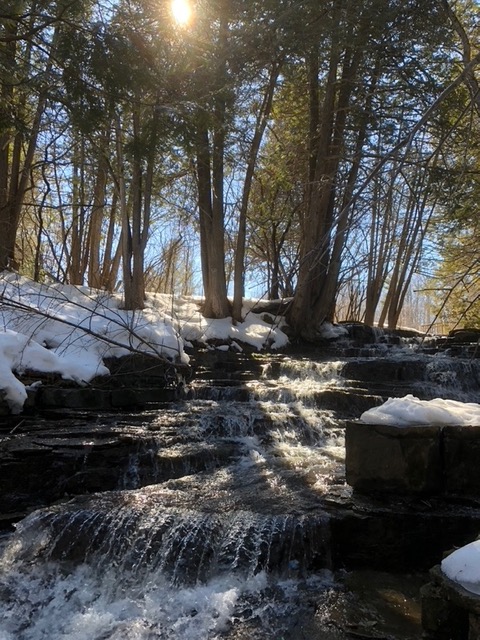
(69, 330)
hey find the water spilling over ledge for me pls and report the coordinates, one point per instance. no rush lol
(136, 538)
(224, 514)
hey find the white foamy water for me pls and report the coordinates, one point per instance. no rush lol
(59, 602)
(54, 603)
(298, 381)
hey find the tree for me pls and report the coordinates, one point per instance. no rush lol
(125, 91)
(360, 45)
(278, 190)
(261, 122)
(28, 44)
(243, 68)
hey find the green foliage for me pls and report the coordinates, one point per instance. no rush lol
(122, 72)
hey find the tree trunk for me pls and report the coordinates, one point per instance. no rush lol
(95, 270)
(315, 228)
(210, 179)
(204, 199)
(16, 163)
(76, 270)
(261, 124)
(131, 213)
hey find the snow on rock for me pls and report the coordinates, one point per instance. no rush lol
(410, 411)
(19, 353)
(463, 567)
(192, 326)
(329, 331)
(11, 347)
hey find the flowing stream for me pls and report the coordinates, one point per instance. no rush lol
(217, 527)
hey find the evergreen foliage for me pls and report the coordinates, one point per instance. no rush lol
(321, 151)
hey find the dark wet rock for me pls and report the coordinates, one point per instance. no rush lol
(459, 343)
(399, 535)
(44, 462)
(464, 335)
(385, 370)
(359, 332)
(88, 398)
(422, 376)
(4, 408)
(213, 364)
(351, 402)
(273, 307)
(461, 455)
(136, 381)
(222, 390)
(269, 319)
(386, 459)
(440, 460)
(449, 612)
(101, 399)
(144, 370)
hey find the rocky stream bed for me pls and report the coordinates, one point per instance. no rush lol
(213, 504)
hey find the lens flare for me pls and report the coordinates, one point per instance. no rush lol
(181, 11)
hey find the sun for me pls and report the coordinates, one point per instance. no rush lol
(181, 11)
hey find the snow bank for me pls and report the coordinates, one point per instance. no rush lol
(410, 411)
(192, 326)
(69, 330)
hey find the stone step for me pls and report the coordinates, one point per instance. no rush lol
(162, 527)
(226, 390)
(37, 469)
(140, 535)
(398, 534)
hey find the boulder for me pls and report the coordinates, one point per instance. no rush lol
(464, 335)
(449, 612)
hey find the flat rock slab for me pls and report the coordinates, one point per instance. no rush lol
(381, 458)
(430, 459)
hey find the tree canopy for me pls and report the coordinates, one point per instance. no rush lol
(320, 151)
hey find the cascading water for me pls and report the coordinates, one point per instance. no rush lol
(230, 539)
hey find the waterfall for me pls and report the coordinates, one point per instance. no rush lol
(218, 521)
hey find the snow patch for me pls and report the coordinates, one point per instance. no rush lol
(329, 331)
